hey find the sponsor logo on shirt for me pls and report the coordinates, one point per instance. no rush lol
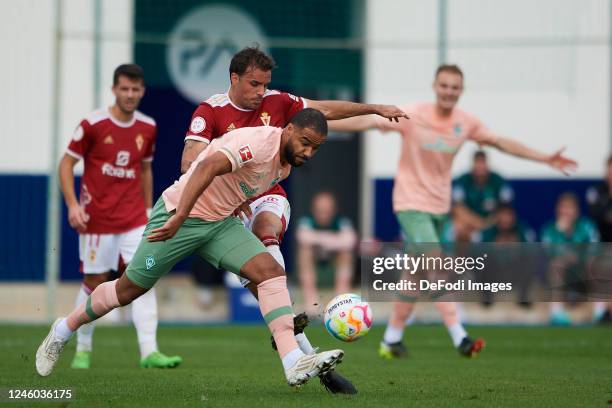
(249, 192)
(265, 118)
(440, 146)
(273, 182)
(198, 124)
(119, 172)
(123, 158)
(108, 140)
(245, 154)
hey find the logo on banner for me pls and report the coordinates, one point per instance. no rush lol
(201, 47)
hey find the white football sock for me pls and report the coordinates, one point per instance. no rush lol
(144, 315)
(393, 334)
(62, 330)
(291, 358)
(457, 333)
(304, 344)
(276, 253)
(85, 332)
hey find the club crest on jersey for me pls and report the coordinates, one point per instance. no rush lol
(265, 118)
(198, 124)
(108, 140)
(139, 141)
(245, 154)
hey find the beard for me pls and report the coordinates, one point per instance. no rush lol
(291, 156)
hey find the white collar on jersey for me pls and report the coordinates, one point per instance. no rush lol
(118, 122)
(233, 104)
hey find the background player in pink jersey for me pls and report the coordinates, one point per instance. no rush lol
(117, 146)
(249, 102)
(195, 215)
(422, 189)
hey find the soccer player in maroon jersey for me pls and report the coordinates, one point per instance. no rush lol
(116, 145)
(249, 102)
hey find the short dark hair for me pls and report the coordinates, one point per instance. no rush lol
(312, 119)
(480, 154)
(251, 57)
(569, 196)
(452, 68)
(132, 71)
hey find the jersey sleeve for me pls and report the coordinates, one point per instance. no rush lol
(292, 104)
(202, 124)
(479, 133)
(246, 146)
(81, 141)
(150, 152)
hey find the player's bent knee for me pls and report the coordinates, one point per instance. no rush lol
(267, 224)
(93, 281)
(260, 268)
(128, 291)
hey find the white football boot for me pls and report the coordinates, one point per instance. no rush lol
(49, 351)
(311, 365)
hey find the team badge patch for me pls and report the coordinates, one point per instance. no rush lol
(265, 118)
(149, 262)
(245, 154)
(139, 142)
(198, 124)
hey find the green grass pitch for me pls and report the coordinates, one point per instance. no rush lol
(235, 366)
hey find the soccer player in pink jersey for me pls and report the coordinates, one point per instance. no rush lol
(117, 146)
(422, 189)
(249, 102)
(195, 215)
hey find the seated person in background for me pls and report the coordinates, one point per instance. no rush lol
(599, 198)
(477, 194)
(324, 238)
(507, 228)
(569, 227)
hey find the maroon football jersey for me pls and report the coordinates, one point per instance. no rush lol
(218, 115)
(111, 187)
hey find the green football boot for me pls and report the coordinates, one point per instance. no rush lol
(392, 350)
(159, 360)
(82, 359)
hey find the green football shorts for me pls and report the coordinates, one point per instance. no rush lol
(226, 244)
(421, 227)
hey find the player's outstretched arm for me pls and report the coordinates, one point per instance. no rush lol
(76, 215)
(354, 124)
(191, 150)
(556, 160)
(203, 174)
(334, 110)
(146, 175)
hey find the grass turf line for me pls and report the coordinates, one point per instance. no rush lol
(235, 366)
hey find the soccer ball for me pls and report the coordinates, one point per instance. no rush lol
(347, 317)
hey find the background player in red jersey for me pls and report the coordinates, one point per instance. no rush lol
(249, 102)
(117, 146)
